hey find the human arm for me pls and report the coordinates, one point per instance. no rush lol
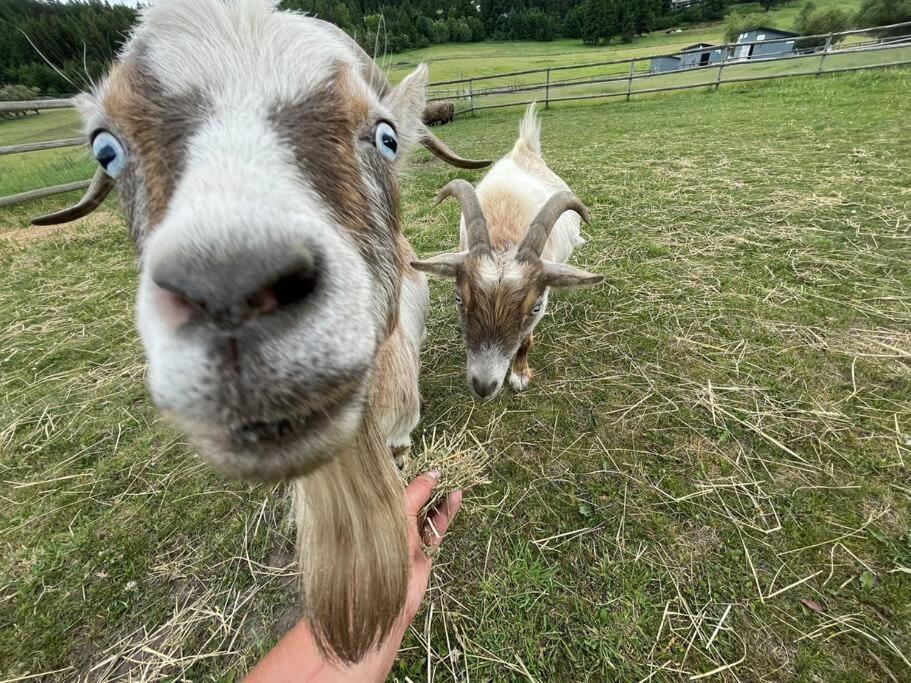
(297, 658)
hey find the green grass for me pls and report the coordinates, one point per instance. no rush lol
(784, 16)
(23, 172)
(710, 466)
(453, 60)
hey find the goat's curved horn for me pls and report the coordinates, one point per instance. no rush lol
(540, 228)
(442, 151)
(99, 189)
(475, 223)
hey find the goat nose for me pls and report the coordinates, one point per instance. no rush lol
(482, 388)
(232, 290)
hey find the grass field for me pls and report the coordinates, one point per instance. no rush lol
(23, 172)
(709, 472)
(451, 61)
(611, 80)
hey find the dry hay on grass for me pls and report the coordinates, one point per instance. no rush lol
(214, 618)
(461, 459)
(22, 237)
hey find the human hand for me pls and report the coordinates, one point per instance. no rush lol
(423, 531)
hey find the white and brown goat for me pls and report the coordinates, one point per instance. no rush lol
(517, 231)
(256, 155)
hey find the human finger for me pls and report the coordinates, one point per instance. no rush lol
(419, 491)
(439, 519)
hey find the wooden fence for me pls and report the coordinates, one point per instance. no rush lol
(626, 73)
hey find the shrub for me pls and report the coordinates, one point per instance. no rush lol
(741, 23)
(18, 93)
(883, 13)
(811, 22)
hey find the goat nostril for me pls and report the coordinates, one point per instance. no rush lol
(175, 307)
(483, 389)
(233, 291)
(293, 288)
(264, 301)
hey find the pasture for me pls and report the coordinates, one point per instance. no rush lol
(709, 473)
(451, 61)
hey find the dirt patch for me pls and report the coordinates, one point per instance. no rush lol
(23, 237)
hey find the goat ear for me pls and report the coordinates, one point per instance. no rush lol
(406, 102)
(444, 265)
(562, 275)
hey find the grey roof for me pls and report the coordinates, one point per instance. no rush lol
(769, 29)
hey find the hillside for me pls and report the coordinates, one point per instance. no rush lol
(454, 60)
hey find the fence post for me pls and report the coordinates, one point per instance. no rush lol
(629, 81)
(724, 57)
(825, 51)
(547, 91)
(471, 95)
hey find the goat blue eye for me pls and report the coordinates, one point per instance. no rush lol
(108, 153)
(386, 141)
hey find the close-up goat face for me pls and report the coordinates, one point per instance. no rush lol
(501, 294)
(255, 154)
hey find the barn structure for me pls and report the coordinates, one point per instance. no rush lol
(700, 54)
(747, 48)
(664, 63)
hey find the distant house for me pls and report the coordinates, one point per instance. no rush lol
(661, 64)
(747, 47)
(763, 51)
(700, 54)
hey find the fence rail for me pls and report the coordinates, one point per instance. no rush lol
(628, 73)
(44, 192)
(634, 76)
(38, 146)
(29, 105)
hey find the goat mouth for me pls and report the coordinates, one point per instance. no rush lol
(282, 431)
(253, 433)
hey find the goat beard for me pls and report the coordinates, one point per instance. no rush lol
(352, 547)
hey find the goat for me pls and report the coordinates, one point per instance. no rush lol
(516, 233)
(439, 113)
(280, 320)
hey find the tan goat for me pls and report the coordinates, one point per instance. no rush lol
(516, 233)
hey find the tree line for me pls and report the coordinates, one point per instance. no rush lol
(81, 38)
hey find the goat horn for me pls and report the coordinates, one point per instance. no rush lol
(442, 151)
(540, 228)
(475, 223)
(99, 189)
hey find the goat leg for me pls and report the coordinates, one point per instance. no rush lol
(521, 373)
